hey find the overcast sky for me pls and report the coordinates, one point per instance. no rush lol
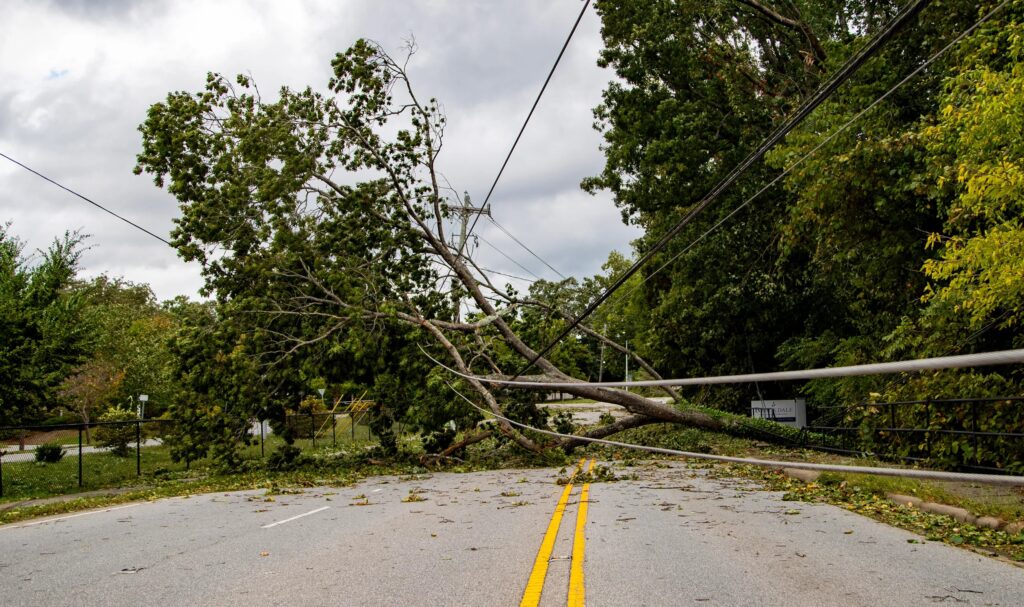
(77, 77)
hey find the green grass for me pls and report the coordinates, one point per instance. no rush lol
(28, 480)
(31, 480)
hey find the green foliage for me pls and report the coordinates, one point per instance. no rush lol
(44, 330)
(439, 440)
(315, 273)
(117, 433)
(286, 457)
(383, 425)
(899, 238)
(977, 157)
(49, 453)
(562, 422)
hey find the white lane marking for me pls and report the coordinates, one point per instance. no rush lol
(64, 518)
(288, 520)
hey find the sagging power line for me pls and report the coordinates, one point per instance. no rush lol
(935, 475)
(526, 248)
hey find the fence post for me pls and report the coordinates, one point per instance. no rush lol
(1, 472)
(312, 427)
(138, 448)
(334, 429)
(977, 439)
(928, 428)
(892, 426)
(262, 454)
(79, 456)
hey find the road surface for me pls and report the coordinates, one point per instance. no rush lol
(670, 536)
(71, 451)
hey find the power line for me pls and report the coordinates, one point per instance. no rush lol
(959, 361)
(551, 73)
(528, 249)
(89, 200)
(825, 141)
(529, 280)
(507, 256)
(801, 114)
(942, 475)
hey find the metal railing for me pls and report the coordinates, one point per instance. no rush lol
(46, 458)
(927, 430)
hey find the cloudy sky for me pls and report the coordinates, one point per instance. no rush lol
(78, 76)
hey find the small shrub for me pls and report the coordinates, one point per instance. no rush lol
(49, 453)
(562, 422)
(606, 419)
(117, 437)
(286, 457)
(436, 442)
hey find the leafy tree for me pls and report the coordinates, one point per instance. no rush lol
(819, 272)
(92, 387)
(118, 432)
(699, 86)
(41, 320)
(320, 223)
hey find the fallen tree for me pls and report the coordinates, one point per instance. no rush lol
(318, 215)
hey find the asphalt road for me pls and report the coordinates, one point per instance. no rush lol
(669, 537)
(71, 451)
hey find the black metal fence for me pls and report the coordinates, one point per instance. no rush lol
(45, 460)
(984, 434)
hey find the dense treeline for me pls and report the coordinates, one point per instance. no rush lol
(898, 238)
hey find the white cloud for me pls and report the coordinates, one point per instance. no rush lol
(86, 72)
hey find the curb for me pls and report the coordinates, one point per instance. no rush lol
(959, 514)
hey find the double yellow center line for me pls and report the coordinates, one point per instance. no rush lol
(535, 585)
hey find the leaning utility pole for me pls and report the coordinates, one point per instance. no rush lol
(464, 212)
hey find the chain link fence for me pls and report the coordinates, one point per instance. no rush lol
(46, 460)
(49, 460)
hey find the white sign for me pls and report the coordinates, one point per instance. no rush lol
(789, 412)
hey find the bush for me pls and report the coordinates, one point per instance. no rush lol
(438, 441)
(49, 453)
(562, 422)
(117, 437)
(286, 457)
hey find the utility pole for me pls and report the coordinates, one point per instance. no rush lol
(464, 212)
(627, 364)
(600, 368)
